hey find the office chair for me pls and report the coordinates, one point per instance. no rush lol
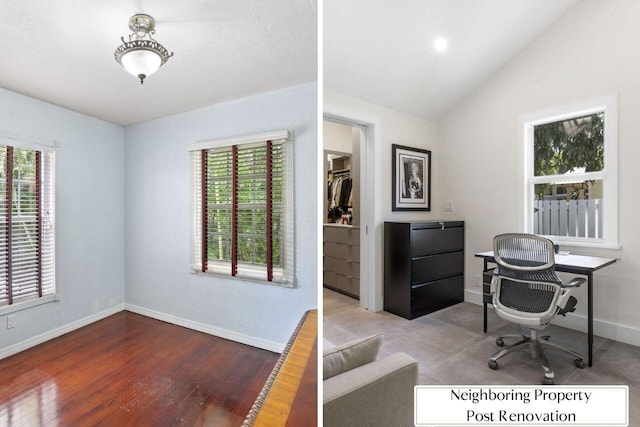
(526, 291)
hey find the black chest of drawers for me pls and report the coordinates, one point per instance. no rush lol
(423, 266)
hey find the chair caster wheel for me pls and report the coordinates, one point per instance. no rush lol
(547, 381)
(500, 342)
(579, 363)
(493, 364)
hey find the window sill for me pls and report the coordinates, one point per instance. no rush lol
(258, 278)
(28, 304)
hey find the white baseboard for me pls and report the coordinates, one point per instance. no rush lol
(578, 322)
(208, 329)
(54, 333)
(474, 297)
(196, 326)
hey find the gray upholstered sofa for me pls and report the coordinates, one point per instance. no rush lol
(359, 390)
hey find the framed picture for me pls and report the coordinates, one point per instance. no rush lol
(411, 179)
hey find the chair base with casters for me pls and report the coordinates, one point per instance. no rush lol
(535, 344)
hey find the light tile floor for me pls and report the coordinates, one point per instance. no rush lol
(451, 348)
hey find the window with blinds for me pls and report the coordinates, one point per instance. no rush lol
(242, 222)
(27, 253)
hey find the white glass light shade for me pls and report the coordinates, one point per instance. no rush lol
(141, 62)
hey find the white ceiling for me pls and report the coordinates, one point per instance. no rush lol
(61, 51)
(382, 51)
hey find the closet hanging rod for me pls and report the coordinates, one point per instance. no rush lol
(341, 172)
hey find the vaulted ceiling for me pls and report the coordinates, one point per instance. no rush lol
(62, 52)
(383, 51)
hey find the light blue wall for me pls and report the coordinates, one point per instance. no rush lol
(89, 213)
(157, 217)
(108, 255)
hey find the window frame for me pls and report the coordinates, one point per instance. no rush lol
(283, 276)
(47, 149)
(609, 173)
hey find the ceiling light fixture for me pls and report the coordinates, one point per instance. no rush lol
(141, 55)
(440, 44)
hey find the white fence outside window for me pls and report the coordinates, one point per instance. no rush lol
(573, 218)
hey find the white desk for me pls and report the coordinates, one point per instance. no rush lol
(575, 264)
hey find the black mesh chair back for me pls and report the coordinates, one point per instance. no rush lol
(527, 281)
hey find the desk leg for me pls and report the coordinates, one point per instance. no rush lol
(485, 316)
(486, 266)
(590, 316)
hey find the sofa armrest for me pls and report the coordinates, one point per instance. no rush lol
(376, 394)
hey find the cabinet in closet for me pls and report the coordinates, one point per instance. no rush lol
(423, 266)
(342, 259)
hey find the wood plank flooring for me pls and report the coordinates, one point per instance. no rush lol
(130, 370)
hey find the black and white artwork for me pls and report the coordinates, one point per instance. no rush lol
(411, 178)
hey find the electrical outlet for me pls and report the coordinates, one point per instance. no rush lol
(447, 206)
(479, 280)
(11, 321)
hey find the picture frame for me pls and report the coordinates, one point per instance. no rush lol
(411, 174)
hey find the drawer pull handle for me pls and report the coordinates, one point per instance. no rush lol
(442, 224)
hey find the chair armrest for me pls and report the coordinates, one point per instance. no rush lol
(376, 394)
(574, 283)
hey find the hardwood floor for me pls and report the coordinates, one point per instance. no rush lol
(132, 370)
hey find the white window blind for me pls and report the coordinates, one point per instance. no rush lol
(27, 251)
(242, 208)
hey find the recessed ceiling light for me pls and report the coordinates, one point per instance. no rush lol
(440, 44)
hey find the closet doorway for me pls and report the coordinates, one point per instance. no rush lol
(342, 159)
